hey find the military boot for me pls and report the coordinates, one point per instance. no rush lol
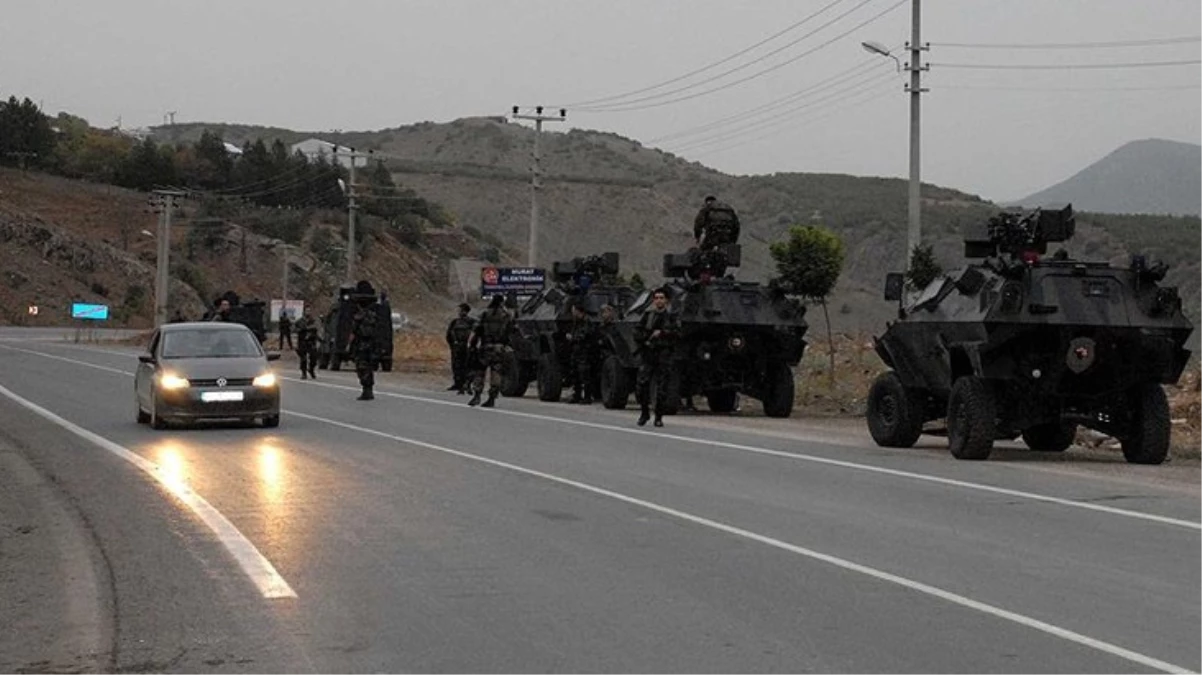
(475, 399)
(492, 399)
(659, 420)
(644, 416)
(304, 375)
(366, 395)
(312, 374)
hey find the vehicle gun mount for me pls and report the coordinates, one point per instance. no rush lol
(1015, 233)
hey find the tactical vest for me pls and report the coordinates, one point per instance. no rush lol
(721, 224)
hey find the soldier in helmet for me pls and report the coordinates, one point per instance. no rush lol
(490, 339)
(306, 345)
(716, 224)
(656, 335)
(581, 336)
(364, 335)
(458, 333)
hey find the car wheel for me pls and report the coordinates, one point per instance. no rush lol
(271, 421)
(1147, 440)
(894, 415)
(971, 419)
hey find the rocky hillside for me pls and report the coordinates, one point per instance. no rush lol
(1149, 176)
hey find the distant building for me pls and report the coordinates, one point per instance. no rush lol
(315, 147)
(232, 149)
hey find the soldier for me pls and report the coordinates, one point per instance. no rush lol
(655, 335)
(459, 331)
(285, 329)
(222, 312)
(306, 345)
(363, 347)
(490, 338)
(716, 224)
(581, 336)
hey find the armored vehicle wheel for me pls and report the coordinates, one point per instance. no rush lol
(1051, 436)
(549, 379)
(778, 390)
(1147, 441)
(971, 419)
(722, 401)
(513, 385)
(895, 415)
(615, 388)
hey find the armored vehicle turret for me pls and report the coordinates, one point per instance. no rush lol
(736, 337)
(542, 342)
(1020, 343)
(338, 321)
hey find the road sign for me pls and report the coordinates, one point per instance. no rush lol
(83, 310)
(523, 281)
(295, 309)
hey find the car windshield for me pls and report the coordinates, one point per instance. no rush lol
(209, 343)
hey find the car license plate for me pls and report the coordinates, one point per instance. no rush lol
(211, 396)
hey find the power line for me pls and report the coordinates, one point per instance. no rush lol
(1075, 66)
(1071, 89)
(703, 68)
(1071, 45)
(765, 71)
(729, 71)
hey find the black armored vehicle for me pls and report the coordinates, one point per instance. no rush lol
(1020, 343)
(736, 337)
(249, 313)
(338, 322)
(542, 323)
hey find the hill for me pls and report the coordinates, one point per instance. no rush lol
(1151, 176)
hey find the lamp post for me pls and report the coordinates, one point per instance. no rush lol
(915, 47)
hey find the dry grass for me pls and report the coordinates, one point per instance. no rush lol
(419, 352)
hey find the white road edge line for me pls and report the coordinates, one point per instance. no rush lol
(1188, 524)
(795, 456)
(1023, 620)
(256, 566)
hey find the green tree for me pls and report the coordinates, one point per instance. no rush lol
(809, 263)
(923, 268)
(146, 166)
(24, 129)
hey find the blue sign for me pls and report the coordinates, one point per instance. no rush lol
(523, 281)
(83, 310)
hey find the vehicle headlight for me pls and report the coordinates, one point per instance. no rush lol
(265, 380)
(169, 381)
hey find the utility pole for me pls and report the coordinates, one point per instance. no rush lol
(536, 173)
(914, 232)
(164, 203)
(351, 209)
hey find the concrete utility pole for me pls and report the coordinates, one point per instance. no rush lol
(352, 207)
(164, 204)
(914, 234)
(536, 183)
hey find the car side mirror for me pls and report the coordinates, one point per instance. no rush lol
(146, 358)
(273, 356)
(895, 282)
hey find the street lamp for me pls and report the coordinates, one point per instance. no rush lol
(878, 48)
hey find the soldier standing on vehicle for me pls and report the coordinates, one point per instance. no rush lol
(491, 340)
(285, 329)
(363, 347)
(655, 336)
(222, 312)
(716, 224)
(306, 346)
(459, 331)
(581, 336)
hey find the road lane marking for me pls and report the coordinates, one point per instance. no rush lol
(1101, 508)
(795, 456)
(955, 598)
(256, 566)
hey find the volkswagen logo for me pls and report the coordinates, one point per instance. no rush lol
(221, 382)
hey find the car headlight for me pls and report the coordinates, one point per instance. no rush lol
(265, 380)
(169, 381)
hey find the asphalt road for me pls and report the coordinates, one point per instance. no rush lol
(413, 533)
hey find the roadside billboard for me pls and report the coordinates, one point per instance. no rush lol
(295, 309)
(89, 312)
(523, 281)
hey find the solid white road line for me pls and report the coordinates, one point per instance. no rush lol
(1023, 620)
(255, 564)
(797, 456)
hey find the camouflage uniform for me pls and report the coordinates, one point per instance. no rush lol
(582, 338)
(364, 350)
(306, 346)
(491, 339)
(459, 332)
(716, 224)
(655, 360)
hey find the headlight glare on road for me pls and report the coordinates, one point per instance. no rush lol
(169, 381)
(266, 380)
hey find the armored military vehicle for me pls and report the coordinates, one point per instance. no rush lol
(540, 343)
(249, 313)
(1017, 343)
(737, 337)
(340, 319)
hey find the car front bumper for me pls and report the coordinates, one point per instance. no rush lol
(213, 403)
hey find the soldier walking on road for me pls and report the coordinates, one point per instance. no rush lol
(458, 333)
(581, 336)
(306, 346)
(364, 333)
(655, 335)
(285, 329)
(491, 339)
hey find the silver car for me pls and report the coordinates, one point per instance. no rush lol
(211, 370)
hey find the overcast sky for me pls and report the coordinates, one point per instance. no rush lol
(316, 65)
